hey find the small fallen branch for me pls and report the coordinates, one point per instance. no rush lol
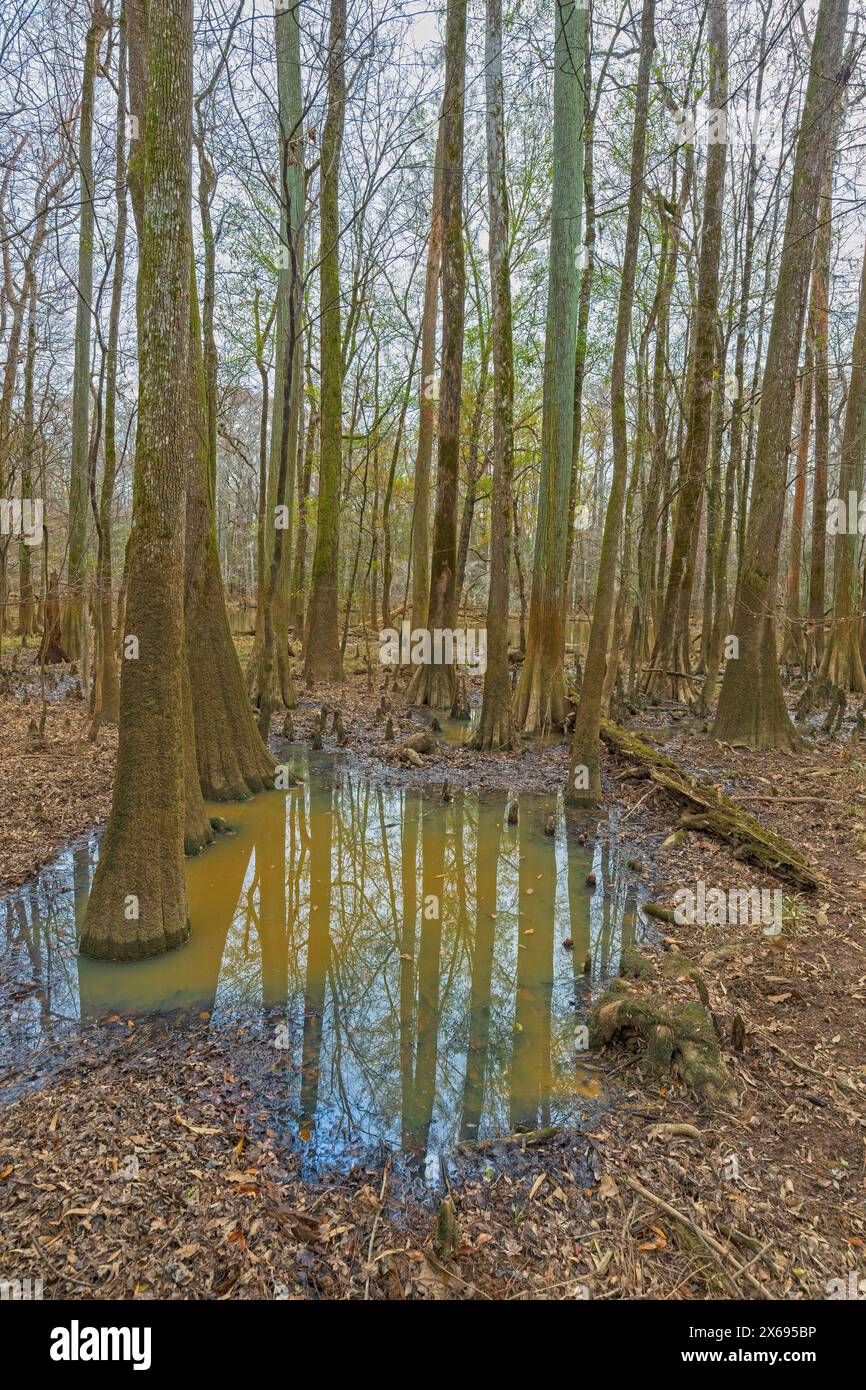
(526, 1140)
(709, 809)
(812, 1071)
(715, 1247)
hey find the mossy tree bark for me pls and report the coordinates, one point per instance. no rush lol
(436, 684)
(495, 728)
(751, 704)
(584, 778)
(137, 904)
(539, 701)
(322, 656)
(671, 655)
(225, 759)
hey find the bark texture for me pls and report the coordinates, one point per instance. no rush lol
(751, 703)
(137, 904)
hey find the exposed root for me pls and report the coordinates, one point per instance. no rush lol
(679, 1038)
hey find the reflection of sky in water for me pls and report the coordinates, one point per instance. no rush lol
(318, 923)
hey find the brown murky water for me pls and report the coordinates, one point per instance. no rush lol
(403, 958)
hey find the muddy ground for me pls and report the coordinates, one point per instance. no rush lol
(141, 1168)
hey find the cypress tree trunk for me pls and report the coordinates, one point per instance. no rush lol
(586, 279)
(224, 756)
(299, 564)
(654, 505)
(387, 558)
(137, 905)
(46, 194)
(793, 645)
(277, 685)
(819, 323)
(539, 701)
(435, 684)
(714, 502)
(197, 828)
(322, 657)
(584, 779)
(671, 653)
(26, 615)
(227, 753)
(74, 611)
(751, 704)
(495, 727)
(107, 702)
(427, 400)
(842, 662)
(475, 465)
(735, 455)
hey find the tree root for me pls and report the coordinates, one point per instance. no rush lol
(678, 1037)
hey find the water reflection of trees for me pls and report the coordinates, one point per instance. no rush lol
(411, 948)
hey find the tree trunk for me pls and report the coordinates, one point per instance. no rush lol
(671, 654)
(842, 663)
(74, 610)
(274, 680)
(586, 279)
(819, 323)
(495, 729)
(751, 704)
(793, 644)
(299, 566)
(435, 684)
(26, 616)
(322, 658)
(539, 701)
(427, 399)
(584, 779)
(107, 698)
(137, 904)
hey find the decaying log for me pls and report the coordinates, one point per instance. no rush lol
(526, 1139)
(711, 810)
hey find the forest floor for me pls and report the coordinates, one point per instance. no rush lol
(143, 1168)
(54, 788)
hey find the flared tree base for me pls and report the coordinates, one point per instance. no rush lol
(433, 686)
(752, 710)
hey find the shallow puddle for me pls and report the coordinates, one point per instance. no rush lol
(401, 963)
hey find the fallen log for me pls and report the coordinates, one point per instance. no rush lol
(526, 1139)
(709, 809)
